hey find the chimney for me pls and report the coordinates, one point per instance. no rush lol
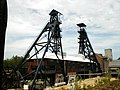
(108, 54)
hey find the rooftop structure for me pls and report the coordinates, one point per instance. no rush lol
(108, 53)
(77, 57)
(114, 64)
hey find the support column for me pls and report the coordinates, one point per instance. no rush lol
(3, 24)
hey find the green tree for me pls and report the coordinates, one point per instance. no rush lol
(12, 62)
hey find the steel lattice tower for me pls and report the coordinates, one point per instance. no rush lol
(85, 47)
(49, 40)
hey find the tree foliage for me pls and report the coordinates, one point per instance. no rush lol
(12, 62)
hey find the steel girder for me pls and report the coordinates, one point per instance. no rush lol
(49, 40)
(85, 47)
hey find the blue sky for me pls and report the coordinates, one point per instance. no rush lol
(26, 19)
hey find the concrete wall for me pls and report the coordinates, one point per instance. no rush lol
(108, 53)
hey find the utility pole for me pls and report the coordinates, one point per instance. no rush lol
(3, 24)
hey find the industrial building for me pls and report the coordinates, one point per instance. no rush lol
(50, 66)
(114, 68)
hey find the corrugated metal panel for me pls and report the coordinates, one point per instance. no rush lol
(114, 63)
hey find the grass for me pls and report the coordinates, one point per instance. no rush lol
(99, 83)
(113, 85)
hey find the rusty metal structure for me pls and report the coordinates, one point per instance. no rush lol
(86, 49)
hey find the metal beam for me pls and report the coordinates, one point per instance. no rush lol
(85, 46)
(49, 40)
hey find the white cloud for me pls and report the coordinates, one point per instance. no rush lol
(27, 18)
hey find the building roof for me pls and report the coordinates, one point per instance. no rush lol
(114, 63)
(77, 58)
(99, 56)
